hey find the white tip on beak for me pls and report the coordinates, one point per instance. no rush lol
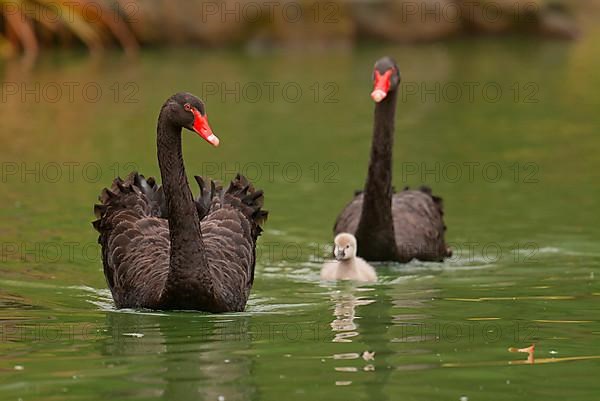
(378, 95)
(213, 140)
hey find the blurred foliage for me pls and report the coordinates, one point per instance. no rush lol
(28, 25)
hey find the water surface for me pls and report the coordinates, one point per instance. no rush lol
(518, 170)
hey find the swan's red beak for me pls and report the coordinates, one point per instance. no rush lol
(382, 85)
(202, 128)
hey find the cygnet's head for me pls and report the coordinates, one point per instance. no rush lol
(345, 247)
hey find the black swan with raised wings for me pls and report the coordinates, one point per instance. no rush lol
(161, 248)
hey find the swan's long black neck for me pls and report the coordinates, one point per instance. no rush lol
(187, 259)
(376, 225)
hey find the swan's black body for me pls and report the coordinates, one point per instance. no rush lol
(162, 249)
(392, 226)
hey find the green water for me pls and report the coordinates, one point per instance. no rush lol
(518, 173)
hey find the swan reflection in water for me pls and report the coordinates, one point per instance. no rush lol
(344, 325)
(181, 356)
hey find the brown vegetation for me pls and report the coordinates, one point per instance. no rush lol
(28, 25)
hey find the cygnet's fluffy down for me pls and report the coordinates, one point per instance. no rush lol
(347, 265)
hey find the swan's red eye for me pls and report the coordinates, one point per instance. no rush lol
(187, 107)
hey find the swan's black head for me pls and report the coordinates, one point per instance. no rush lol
(386, 78)
(187, 111)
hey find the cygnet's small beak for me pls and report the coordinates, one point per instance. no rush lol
(340, 255)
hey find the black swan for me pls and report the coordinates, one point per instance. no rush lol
(161, 249)
(392, 226)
